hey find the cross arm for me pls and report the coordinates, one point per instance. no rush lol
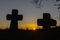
(8, 17)
(40, 22)
(20, 17)
(53, 22)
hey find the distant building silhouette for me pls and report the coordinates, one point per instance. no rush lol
(46, 22)
(14, 19)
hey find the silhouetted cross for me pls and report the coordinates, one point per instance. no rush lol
(14, 19)
(46, 22)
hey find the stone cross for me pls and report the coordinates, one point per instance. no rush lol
(14, 17)
(46, 22)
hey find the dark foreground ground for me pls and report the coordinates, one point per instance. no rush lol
(51, 34)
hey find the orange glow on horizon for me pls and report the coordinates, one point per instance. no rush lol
(30, 27)
(34, 28)
(27, 26)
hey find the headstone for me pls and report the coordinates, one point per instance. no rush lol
(46, 22)
(14, 17)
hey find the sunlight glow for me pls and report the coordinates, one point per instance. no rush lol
(31, 26)
(34, 28)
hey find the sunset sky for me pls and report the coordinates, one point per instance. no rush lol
(29, 11)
